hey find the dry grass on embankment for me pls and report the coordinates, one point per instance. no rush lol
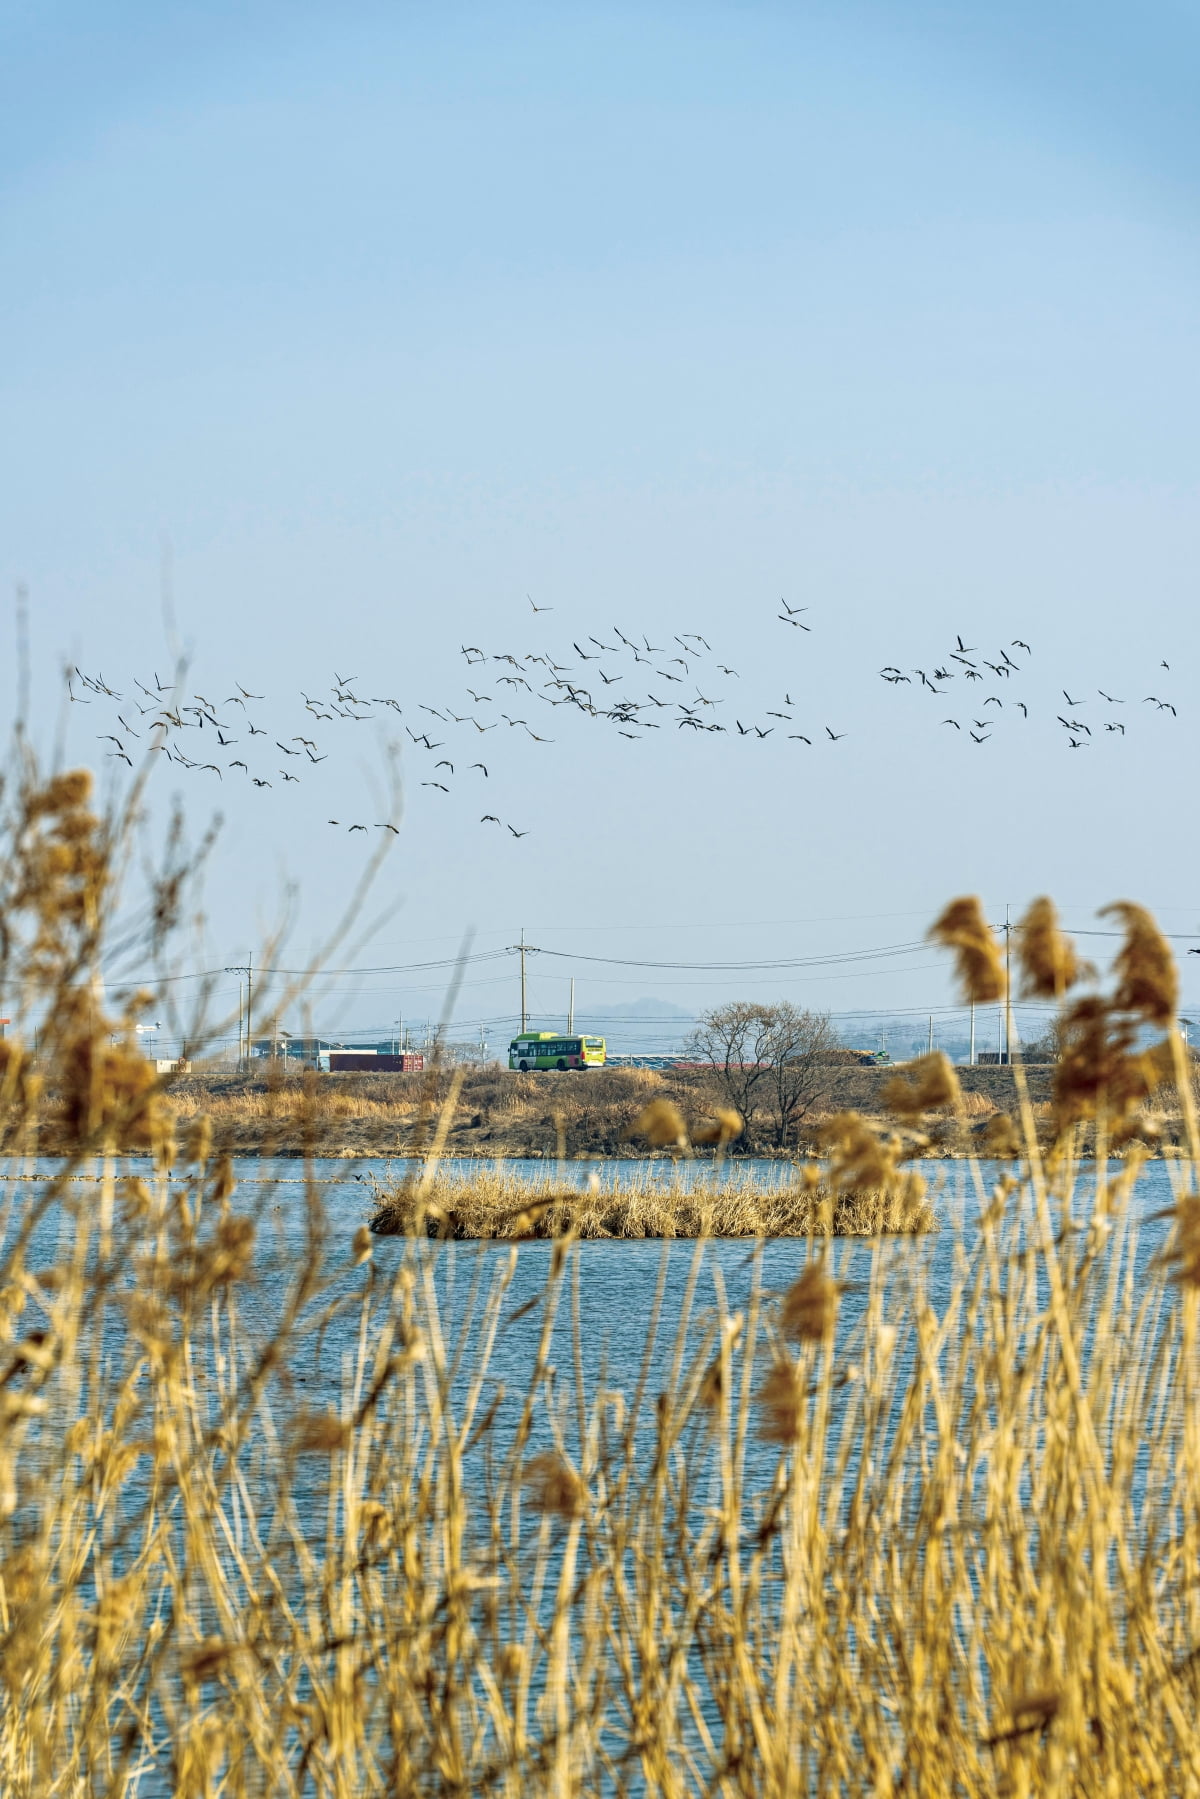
(498, 1205)
(502, 1113)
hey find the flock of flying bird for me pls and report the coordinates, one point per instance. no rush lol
(161, 723)
(626, 684)
(936, 679)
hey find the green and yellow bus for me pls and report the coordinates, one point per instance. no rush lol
(547, 1049)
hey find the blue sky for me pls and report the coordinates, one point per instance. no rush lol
(386, 318)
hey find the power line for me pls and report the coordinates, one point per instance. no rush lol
(834, 959)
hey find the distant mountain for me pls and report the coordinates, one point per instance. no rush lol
(646, 1008)
(644, 1026)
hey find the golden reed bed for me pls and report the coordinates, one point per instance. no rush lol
(903, 1546)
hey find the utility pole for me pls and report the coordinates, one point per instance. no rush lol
(524, 1006)
(972, 1055)
(1008, 984)
(523, 949)
(571, 1010)
(931, 1033)
(240, 969)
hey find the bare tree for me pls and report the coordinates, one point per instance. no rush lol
(771, 1059)
(1047, 1047)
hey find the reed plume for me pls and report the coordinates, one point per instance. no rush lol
(1147, 979)
(963, 928)
(932, 1086)
(724, 1127)
(661, 1125)
(809, 1309)
(1046, 955)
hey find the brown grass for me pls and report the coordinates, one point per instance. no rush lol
(498, 1205)
(914, 1544)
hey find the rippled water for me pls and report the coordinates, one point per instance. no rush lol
(617, 1279)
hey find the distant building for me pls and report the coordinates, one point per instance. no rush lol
(369, 1061)
(293, 1049)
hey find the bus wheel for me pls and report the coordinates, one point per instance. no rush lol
(524, 1068)
(561, 1064)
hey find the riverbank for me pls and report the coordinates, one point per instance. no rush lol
(498, 1115)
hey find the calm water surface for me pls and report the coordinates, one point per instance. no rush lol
(617, 1279)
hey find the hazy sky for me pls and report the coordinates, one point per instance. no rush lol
(386, 318)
